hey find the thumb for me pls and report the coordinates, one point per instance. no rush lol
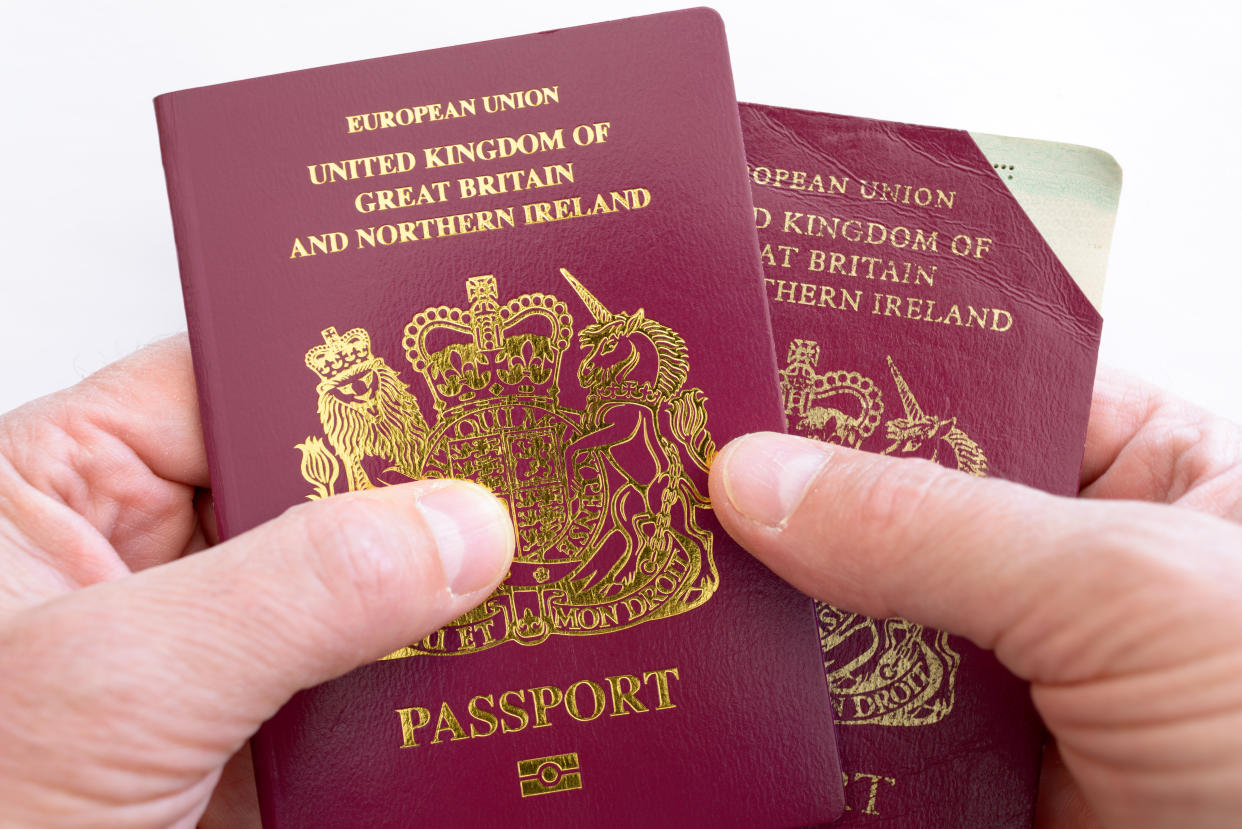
(1039, 579)
(200, 651)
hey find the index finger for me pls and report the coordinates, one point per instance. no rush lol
(1120, 405)
(1146, 445)
(122, 449)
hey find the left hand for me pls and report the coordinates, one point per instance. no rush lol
(132, 670)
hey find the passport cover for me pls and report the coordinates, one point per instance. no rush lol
(918, 311)
(530, 262)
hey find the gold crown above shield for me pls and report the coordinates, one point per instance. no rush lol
(490, 349)
(339, 352)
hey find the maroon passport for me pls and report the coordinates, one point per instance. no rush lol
(919, 312)
(532, 263)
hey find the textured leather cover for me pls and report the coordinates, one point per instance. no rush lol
(582, 354)
(918, 312)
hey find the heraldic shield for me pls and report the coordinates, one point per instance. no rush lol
(600, 453)
(888, 672)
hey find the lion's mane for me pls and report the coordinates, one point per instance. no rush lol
(396, 432)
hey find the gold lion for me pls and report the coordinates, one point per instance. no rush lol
(365, 408)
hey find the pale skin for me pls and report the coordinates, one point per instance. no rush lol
(138, 655)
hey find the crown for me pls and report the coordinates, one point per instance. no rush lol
(803, 351)
(799, 380)
(490, 349)
(338, 352)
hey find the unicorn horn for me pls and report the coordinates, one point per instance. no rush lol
(913, 410)
(593, 305)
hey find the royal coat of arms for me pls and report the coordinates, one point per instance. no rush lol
(605, 493)
(880, 671)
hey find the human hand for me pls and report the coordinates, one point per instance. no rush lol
(133, 670)
(1120, 607)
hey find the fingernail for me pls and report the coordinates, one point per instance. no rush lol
(472, 532)
(766, 475)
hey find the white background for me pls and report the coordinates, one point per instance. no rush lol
(89, 269)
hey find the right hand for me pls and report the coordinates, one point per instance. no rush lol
(1123, 608)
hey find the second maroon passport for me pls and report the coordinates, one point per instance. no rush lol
(531, 263)
(920, 311)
